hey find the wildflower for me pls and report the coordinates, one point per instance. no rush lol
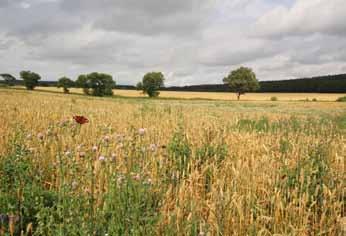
(141, 131)
(67, 153)
(74, 184)
(113, 157)
(81, 154)
(106, 139)
(94, 148)
(136, 177)
(148, 181)
(79, 147)
(120, 180)
(153, 147)
(40, 136)
(80, 119)
(102, 158)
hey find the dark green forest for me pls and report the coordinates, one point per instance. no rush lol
(320, 84)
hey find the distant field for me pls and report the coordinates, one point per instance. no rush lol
(222, 96)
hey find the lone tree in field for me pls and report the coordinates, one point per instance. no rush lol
(242, 80)
(65, 83)
(96, 84)
(8, 79)
(151, 83)
(30, 79)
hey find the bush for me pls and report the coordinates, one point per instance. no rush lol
(274, 99)
(341, 99)
(314, 100)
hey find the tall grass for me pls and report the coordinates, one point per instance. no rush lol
(169, 168)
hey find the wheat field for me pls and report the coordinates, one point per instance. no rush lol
(171, 167)
(217, 95)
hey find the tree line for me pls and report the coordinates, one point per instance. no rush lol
(100, 84)
(240, 81)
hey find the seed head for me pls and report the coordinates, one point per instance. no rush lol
(94, 148)
(141, 131)
(106, 138)
(81, 154)
(40, 136)
(153, 147)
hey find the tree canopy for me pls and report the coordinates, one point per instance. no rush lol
(242, 80)
(8, 78)
(65, 83)
(96, 84)
(151, 83)
(30, 79)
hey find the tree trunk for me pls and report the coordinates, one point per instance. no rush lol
(238, 96)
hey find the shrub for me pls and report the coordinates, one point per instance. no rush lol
(314, 99)
(341, 99)
(274, 99)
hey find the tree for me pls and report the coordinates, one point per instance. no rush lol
(65, 83)
(9, 79)
(82, 82)
(241, 81)
(96, 84)
(30, 79)
(151, 83)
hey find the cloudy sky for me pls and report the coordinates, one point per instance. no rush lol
(191, 41)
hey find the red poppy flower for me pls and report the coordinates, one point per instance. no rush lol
(81, 119)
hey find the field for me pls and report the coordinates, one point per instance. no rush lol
(171, 166)
(219, 96)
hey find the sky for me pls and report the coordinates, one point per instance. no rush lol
(190, 41)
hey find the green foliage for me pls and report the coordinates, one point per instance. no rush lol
(8, 79)
(261, 125)
(30, 79)
(341, 99)
(242, 80)
(96, 84)
(308, 177)
(274, 99)
(151, 83)
(21, 194)
(130, 207)
(180, 152)
(65, 83)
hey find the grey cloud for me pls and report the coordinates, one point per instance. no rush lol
(191, 41)
(176, 17)
(303, 18)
